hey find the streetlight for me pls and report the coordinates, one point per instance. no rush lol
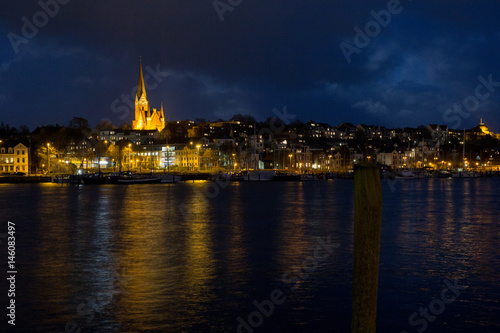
(290, 161)
(198, 146)
(329, 161)
(129, 152)
(48, 158)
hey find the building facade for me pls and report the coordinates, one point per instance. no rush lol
(14, 159)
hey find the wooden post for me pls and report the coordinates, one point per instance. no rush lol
(367, 223)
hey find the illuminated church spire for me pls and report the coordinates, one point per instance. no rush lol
(145, 118)
(141, 88)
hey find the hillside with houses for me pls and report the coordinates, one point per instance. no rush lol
(243, 143)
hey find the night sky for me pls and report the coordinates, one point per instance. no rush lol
(262, 55)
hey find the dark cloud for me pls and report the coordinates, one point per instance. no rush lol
(264, 54)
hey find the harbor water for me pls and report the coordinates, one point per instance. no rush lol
(248, 257)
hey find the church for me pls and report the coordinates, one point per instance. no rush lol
(145, 118)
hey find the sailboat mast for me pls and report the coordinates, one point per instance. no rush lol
(255, 146)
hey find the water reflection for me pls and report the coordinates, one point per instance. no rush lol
(52, 266)
(167, 258)
(293, 242)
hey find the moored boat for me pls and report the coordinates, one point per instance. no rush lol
(134, 179)
(169, 178)
(465, 174)
(308, 177)
(286, 177)
(259, 176)
(236, 177)
(406, 174)
(100, 178)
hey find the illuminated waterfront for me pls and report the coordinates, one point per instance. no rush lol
(167, 258)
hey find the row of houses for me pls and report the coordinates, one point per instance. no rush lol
(202, 155)
(234, 144)
(196, 156)
(231, 132)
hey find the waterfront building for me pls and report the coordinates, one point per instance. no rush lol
(189, 157)
(336, 161)
(167, 157)
(14, 159)
(390, 157)
(301, 157)
(145, 157)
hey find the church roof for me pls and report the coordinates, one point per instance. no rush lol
(141, 88)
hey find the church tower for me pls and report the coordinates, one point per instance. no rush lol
(145, 119)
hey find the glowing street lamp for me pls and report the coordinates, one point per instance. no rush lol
(129, 152)
(198, 146)
(48, 158)
(290, 160)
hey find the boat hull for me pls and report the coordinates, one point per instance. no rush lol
(156, 180)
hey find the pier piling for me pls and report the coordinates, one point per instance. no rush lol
(367, 224)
